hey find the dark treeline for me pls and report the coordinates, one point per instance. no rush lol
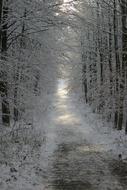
(22, 24)
(104, 56)
(17, 80)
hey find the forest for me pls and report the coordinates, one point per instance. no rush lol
(63, 94)
(104, 57)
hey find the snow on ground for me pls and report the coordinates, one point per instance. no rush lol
(102, 134)
(75, 135)
(95, 130)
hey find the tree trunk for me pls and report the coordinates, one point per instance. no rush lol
(118, 107)
(3, 74)
(123, 86)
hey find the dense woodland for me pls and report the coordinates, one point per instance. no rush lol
(21, 25)
(104, 55)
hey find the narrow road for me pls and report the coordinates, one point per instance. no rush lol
(74, 162)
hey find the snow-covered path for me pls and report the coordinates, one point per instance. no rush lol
(75, 157)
